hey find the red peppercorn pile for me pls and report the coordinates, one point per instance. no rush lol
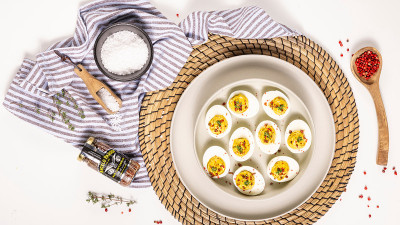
(367, 64)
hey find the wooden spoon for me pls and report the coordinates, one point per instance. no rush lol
(94, 86)
(373, 87)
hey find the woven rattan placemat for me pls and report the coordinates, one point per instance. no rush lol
(158, 108)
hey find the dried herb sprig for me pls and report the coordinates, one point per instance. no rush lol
(107, 201)
(60, 98)
(51, 114)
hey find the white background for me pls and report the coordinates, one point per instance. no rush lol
(41, 182)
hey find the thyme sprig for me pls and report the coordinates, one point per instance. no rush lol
(107, 201)
(59, 99)
(51, 114)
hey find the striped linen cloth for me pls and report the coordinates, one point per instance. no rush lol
(32, 90)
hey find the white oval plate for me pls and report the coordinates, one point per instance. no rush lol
(255, 74)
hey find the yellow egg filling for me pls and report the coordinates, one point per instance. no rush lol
(241, 146)
(267, 134)
(280, 170)
(278, 105)
(216, 166)
(296, 139)
(245, 180)
(218, 124)
(239, 103)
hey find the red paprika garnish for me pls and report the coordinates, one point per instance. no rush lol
(369, 198)
(341, 54)
(365, 188)
(360, 196)
(377, 206)
(367, 64)
(395, 172)
(365, 172)
(130, 210)
(369, 215)
(340, 43)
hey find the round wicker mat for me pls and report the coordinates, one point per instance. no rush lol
(158, 108)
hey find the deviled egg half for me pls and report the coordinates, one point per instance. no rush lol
(243, 104)
(248, 180)
(218, 121)
(268, 137)
(241, 144)
(298, 136)
(216, 162)
(275, 104)
(282, 169)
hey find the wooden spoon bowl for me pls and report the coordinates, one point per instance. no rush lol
(372, 85)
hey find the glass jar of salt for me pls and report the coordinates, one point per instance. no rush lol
(112, 164)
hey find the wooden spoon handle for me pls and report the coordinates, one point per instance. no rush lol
(383, 145)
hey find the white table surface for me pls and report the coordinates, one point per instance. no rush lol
(41, 182)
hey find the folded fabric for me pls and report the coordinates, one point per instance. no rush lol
(46, 87)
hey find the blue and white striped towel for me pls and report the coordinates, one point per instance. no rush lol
(37, 81)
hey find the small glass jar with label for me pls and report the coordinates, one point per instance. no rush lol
(106, 160)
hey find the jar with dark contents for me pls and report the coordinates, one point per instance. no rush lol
(112, 164)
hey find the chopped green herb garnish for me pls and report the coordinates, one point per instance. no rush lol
(239, 148)
(219, 123)
(299, 139)
(246, 182)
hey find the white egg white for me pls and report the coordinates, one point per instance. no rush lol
(293, 168)
(242, 132)
(267, 98)
(220, 152)
(259, 182)
(218, 110)
(272, 147)
(298, 125)
(253, 105)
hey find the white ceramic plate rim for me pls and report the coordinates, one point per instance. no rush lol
(265, 62)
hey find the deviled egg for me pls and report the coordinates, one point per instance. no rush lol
(218, 121)
(248, 180)
(268, 137)
(298, 136)
(243, 104)
(275, 104)
(216, 162)
(282, 169)
(241, 144)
